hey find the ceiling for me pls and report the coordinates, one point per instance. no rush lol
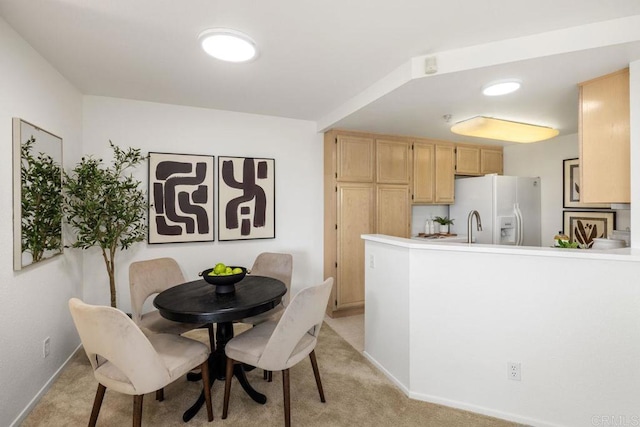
(316, 56)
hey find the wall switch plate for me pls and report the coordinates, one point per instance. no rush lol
(513, 371)
(46, 347)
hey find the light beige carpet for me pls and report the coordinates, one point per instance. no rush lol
(357, 394)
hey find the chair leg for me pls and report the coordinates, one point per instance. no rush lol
(227, 387)
(270, 375)
(316, 373)
(97, 403)
(264, 375)
(286, 397)
(137, 410)
(204, 368)
(160, 395)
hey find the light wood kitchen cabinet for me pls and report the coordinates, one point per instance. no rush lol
(355, 158)
(467, 160)
(433, 172)
(491, 161)
(393, 161)
(604, 139)
(445, 162)
(393, 210)
(355, 217)
(476, 160)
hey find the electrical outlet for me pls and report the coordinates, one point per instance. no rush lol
(372, 263)
(513, 371)
(46, 347)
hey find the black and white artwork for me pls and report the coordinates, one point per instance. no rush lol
(181, 198)
(246, 198)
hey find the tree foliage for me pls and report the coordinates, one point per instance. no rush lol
(41, 201)
(105, 207)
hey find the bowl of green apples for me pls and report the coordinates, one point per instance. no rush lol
(224, 277)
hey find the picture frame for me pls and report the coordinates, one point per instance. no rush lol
(181, 198)
(584, 226)
(246, 198)
(571, 187)
(37, 194)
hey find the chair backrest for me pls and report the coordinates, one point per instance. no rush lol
(276, 265)
(304, 315)
(108, 333)
(150, 277)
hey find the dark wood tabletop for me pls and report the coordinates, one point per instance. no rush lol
(198, 302)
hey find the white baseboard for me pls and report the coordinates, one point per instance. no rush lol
(21, 417)
(388, 374)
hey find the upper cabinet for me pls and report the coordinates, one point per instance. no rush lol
(393, 161)
(355, 159)
(477, 160)
(604, 139)
(433, 172)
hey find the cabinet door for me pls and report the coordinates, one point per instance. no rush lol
(355, 157)
(423, 172)
(444, 173)
(605, 140)
(355, 217)
(467, 160)
(490, 161)
(392, 161)
(393, 210)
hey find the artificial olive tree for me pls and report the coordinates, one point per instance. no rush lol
(106, 207)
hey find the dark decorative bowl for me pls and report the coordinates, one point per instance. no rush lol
(224, 284)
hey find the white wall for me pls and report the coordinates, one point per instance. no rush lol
(571, 322)
(544, 159)
(294, 144)
(34, 300)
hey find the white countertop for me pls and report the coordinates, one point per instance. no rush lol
(623, 254)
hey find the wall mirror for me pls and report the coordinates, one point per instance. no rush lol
(37, 194)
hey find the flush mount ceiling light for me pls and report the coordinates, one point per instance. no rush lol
(503, 130)
(228, 45)
(502, 87)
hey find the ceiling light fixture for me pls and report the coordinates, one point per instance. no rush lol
(228, 45)
(503, 130)
(502, 87)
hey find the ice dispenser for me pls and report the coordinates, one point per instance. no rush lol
(507, 226)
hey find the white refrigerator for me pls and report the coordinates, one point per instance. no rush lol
(509, 208)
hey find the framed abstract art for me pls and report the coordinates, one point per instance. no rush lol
(246, 198)
(181, 198)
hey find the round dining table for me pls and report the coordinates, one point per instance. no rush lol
(198, 302)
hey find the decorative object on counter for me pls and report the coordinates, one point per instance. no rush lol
(444, 223)
(561, 240)
(246, 198)
(582, 226)
(37, 194)
(105, 207)
(608, 243)
(436, 236)
(180, 198)
(571, 183)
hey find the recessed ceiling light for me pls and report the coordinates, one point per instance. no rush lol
(502, 87)
(228, 45)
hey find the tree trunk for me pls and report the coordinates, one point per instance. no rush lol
(109, 262)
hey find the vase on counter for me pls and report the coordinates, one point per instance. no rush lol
(444, 228)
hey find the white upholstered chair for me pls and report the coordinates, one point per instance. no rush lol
(150, 277)
(126, 360)
(276, 265)
(279, 345)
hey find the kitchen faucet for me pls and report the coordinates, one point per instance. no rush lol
(470, 222)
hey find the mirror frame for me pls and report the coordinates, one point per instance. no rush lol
(22, 132)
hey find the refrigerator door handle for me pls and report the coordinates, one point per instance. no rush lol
(519, 230)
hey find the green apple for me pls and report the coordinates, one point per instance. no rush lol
(237, 270)
(219, 268)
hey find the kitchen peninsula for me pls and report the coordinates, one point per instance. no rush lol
(444, 321)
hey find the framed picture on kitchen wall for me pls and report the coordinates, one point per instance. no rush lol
(571, 193)
(246, 198)
(181, 198)
(582, 226)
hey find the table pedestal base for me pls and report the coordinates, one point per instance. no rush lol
(217, 365)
